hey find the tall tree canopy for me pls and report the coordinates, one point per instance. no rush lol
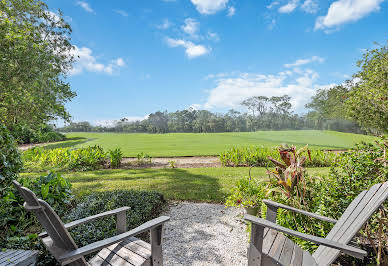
(35, 55)
(368, 100)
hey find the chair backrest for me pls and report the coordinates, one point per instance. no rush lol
(61, 240)
(352, 220)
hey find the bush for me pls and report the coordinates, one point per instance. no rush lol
(43, 133)
(258, 156)
(115, 157)
(82, 159)
(247, 193)
(353, 171)
(144, 207)
(19, 228)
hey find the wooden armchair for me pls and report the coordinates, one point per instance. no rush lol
(122, 249)
(270, 247)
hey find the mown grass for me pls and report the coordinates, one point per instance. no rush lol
(202, 144)
(193, 184)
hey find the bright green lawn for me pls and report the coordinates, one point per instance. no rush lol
(194, 184)
(195, 144)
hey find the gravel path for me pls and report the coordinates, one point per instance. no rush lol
(204, 234)
(180, 162)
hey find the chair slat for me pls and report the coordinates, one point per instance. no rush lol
(297, 256)
(268, 240)
(288, 249)
(308, 260)
(277, 246)
(351, 223)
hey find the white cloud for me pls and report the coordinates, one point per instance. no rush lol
(191, 27)
(343, 11)
(209, 6)
(164, 25)
(85, 60)
(289, 7)
(231, 11)
(273, 4)
(230, 91)
(121, 12)
(213, 36)
(85, 6)
(310, 6)
(301, 62)
(192, 50)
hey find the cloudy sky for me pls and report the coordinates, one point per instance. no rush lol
(137, 57)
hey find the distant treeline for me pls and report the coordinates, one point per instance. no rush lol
(264, 114)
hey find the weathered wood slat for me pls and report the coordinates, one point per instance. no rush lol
(18, 257)
(276, 205)
(297, 256)
(308, 260)
(127, 254)
(277, 247)
(288, 249)
(140, 250)
(268, 240)
(115, 259)
(354, 221)
(11, 257)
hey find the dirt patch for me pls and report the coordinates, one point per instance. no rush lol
(179, 162)
(24, 147)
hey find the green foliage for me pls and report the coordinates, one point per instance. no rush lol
(258, 156)
(247, 193)
(172, 164)
(115, 157)
(36, 55)
(353, 171)
(143, 159)
(368, 101)
(144, 207)
(83, 159)
(44, 133)
(10, 162)
(19, 228)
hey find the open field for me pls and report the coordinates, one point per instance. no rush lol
(193, 184)
(198, 144)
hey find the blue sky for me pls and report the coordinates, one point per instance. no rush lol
(137, 57)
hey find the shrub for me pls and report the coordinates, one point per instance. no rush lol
(247, 193)
(43, 133)
(82, 159)
(353, 171)
(144, 207)
(115, 157)
(143, 159)
(258, 156)
(19, 228)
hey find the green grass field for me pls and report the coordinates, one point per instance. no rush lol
(198, 144)
(194, 184)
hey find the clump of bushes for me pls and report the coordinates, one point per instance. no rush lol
(43, 133)
(354, 171)
(82, 159)
(144, 207)
(258, 156)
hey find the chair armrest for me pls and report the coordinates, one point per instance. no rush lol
(90, 219)
(79, 252)
(352, 251)
(313, 215)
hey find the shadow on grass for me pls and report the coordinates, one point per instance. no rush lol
(176, 184)
(68, 143)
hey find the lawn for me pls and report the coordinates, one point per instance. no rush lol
(193, 184)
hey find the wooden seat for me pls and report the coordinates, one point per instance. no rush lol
(122, 249)
(270, 247)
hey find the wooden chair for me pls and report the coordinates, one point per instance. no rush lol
(122, 249)
(269, 246)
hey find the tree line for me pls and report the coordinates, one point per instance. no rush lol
(264, 113)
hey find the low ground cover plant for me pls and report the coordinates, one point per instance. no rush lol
(115, 157)
(82, 159)
(258, 156)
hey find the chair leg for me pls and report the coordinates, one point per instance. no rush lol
(256, 246)
(156, 245)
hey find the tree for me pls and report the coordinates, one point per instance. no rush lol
(329, 103)
(35, 54)
(256, 103)
(368, 99)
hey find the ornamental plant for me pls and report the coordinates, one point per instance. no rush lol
(247, 193)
